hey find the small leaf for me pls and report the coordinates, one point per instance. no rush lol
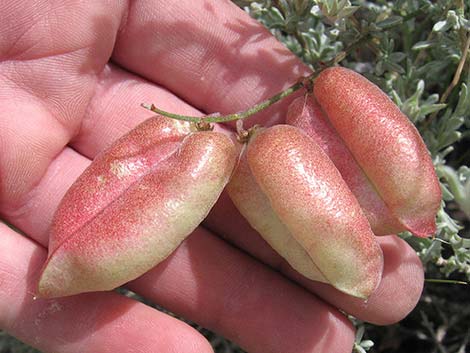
(431, 252)
(348, 11)
(358, 349)
(426, 110)
(464, 101)
(423, 45)
(454, 123)
(441, 26)
(367, 344)
(391, 66)
(446, 194)
(391, 21)
(452, 137)
(397, 56)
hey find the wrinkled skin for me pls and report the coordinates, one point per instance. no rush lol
(73, 76)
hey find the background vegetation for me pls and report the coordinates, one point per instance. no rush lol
(418, 52)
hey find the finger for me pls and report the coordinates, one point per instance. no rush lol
(397, 294)
(210, 53)
(98, 322)
(244, 300)
(207, 273)
(34, 215)
(116, 108)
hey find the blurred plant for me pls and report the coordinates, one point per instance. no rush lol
(9, 344)
(361, 345)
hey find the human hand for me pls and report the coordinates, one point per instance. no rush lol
(74, 75)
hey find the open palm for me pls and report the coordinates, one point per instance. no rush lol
(73, 74)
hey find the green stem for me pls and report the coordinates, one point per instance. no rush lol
(455, 79)
(236, 116)
(305, 82)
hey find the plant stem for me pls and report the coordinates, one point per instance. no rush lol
(303, 82)
(455, 79)
(230, 117)
(458, 72)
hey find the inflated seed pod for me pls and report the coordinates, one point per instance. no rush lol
(306, 114)
(134, 205)
(385, 144)
(113, 171)
(254, 205)
(311, 200)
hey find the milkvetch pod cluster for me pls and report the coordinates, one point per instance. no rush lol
(348, 165)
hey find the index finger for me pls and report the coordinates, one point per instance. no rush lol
(211, 53)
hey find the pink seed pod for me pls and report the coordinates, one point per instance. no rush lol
(312, 207)
(255, 206)
(385, 145)
(134, 205)
(306, 114)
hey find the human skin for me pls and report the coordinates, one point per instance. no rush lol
(73, 75)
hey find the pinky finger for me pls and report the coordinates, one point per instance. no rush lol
(97, 322)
